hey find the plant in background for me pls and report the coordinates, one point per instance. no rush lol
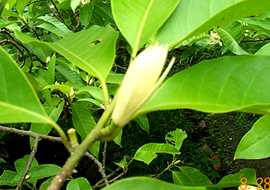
(67, 64)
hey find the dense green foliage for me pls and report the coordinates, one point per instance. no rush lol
(63, 61)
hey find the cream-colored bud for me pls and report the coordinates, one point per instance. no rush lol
(139, 83)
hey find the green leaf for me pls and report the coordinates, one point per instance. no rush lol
(51, 70)
(45, 184)
(265, 50)
(86, 13)
(143, 123)
(67, 72)
(53, 25)
(91, 50)
(188, 176)
(145, 183)
(176, 138)
(79, 184)
(148, 152)
(54, 110)
(20, 4)
(233, 180)
(18, 100)
(242, 86)
(12, 178)
(145, 17)
(255, 143)
(230, 43)
(43, 171)
(9, 178)
(193, 17)
(93, 91)
(84, 122)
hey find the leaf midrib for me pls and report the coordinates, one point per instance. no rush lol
(182, 39)
(141, 27)
(35, 114)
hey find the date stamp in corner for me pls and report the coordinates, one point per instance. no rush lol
(261, 184)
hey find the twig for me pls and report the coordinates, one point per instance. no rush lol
(100, 167)
(28, 164)
(58, 14)
(96, 134)
(20, 46)
(172, 164)
(57, 140)
(104, 154)
(101, 183)
(30, 134)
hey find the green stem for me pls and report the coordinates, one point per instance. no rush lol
(62, 135)
(81, 149)
(105, 93)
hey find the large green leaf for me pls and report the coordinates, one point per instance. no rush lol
(139, 20)
(226, 84)
(92, 50)
(18, 100)
(193, 17)
(256, 143)
(148, 152)
(144, 183)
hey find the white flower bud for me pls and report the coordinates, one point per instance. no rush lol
(139, 83)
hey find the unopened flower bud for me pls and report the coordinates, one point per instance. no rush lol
(139, 83)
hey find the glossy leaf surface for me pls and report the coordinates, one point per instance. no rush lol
(226, 84)
(18, 100)
(144, 183)
(91, 50)
(255, 143)
(193, 17)
(139, 20)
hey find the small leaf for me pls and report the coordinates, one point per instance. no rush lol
(45, 184)
(143, 123)
(148, 152)
(233, 180)
(53, 25)
(43, 171)
(79, 184)
(230, 43)
(9, 178)
(255, 143)
(176, 138)
(93, 91)
(265, 50)
(188, 176)
(84, 122)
